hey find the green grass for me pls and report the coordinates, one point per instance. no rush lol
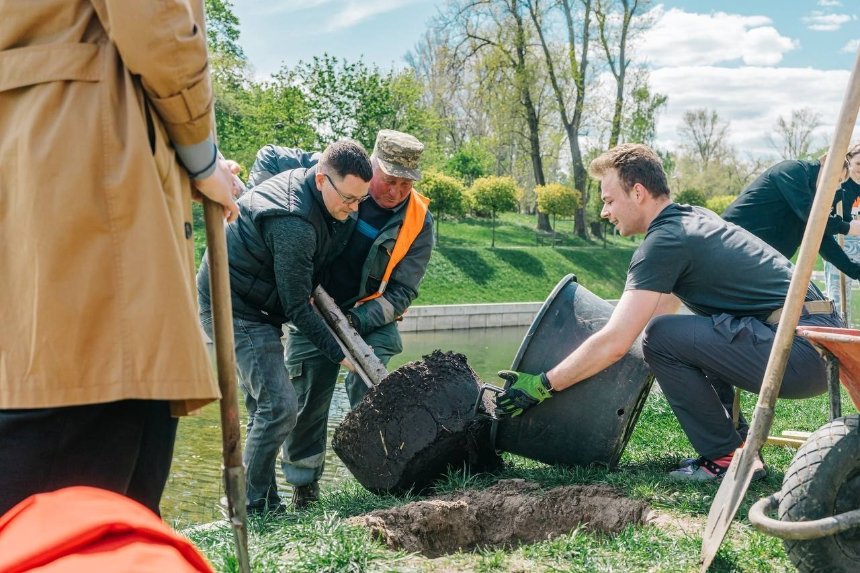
(459, 275)
(320, 539)
(512, 230)
(465, 269)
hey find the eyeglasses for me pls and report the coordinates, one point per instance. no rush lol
(347, 199)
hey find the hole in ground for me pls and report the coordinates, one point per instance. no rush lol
(507, 514)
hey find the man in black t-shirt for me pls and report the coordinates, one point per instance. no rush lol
(734, 283)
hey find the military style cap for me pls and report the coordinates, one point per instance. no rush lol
(398, 154)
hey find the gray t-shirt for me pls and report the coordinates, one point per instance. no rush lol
(714, 267)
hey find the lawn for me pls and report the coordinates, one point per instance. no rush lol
(459, 275)
(465, 269)
(320, 540)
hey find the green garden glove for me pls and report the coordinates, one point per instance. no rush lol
(525, 391)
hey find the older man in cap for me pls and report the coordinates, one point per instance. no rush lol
(374, 280)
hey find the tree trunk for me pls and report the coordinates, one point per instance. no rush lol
(531, 114)
(493, 240)
(580, 181)
(543, 223)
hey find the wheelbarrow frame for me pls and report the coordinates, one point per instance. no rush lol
(826, 340)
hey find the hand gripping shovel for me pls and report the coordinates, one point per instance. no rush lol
(225, 356)
(368, 367)
(737, 479)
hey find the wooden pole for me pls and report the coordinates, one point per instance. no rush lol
(737, 479)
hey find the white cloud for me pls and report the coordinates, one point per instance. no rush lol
(355, 11)
(286, 6)
(341, 14)
(752, 98)
(821, 22)
(728, 63)
(686, 38)
(829, 3)
(852, 46)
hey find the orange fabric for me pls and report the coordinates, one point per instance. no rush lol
(89, 530)
(413, 222)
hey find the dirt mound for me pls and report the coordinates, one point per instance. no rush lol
(414, 424)
(510, 513)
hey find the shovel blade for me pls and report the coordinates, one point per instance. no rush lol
(726, 504)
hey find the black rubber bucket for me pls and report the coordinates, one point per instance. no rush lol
(590, 422)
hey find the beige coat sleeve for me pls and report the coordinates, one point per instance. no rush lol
(164, 43)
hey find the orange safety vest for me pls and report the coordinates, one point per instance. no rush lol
(85, 530)
(413, 222)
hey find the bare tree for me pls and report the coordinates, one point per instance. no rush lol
(794, 136)
(576, 67)
(614, 30)
(499, 25)
(704, 134)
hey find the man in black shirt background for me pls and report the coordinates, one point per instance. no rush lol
(775, 208)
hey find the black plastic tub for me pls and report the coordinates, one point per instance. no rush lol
(590, 422)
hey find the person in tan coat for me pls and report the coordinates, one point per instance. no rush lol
(105, 120)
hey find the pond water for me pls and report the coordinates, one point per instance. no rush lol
(194, 489)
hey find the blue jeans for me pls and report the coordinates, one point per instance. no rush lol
(314, 376)
(269, 398)
(831, 278)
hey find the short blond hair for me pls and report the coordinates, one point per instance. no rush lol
(635, 163)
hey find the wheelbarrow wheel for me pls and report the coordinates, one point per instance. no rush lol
(824, 480)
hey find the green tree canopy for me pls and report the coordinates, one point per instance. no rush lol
(222, 29)
(719, 203)
(558, 200)
(495, 195)
(447, 195)
(249, 114)
(470, 162)
(691, 196)
(642, 124)
(352, 99)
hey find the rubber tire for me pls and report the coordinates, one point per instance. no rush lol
(824, 480)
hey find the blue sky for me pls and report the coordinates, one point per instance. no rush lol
(751, 60)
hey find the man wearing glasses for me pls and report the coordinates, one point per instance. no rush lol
(289, 228)
(374, 280)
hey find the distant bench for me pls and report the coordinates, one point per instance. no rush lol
(547, 238)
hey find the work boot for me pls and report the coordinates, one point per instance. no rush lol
(304, 495)
(265, 508)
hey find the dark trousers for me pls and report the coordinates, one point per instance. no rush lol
(123, 446)
(698, 360)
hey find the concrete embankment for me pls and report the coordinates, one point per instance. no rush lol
(462, 316)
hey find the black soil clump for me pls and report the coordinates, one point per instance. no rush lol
(416, 424)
